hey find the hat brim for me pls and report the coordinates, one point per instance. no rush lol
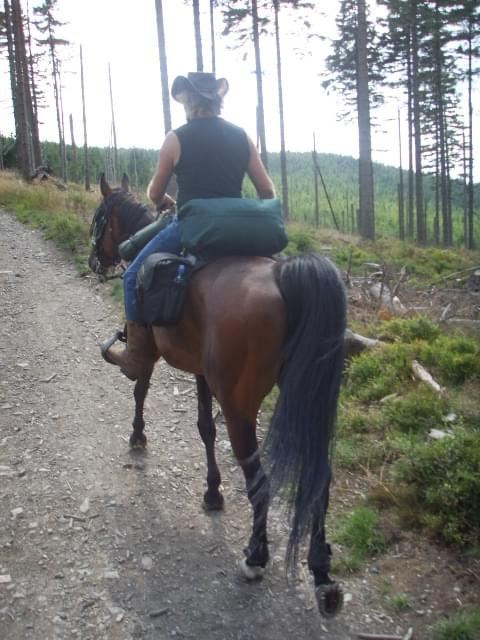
(181, 85)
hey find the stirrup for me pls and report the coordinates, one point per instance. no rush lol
(105, 346)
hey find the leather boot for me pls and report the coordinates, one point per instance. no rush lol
(137, 355)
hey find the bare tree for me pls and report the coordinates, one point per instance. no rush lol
(283, 153)
(198, 34)
(86, 168)
(114, 130)
(162, 56)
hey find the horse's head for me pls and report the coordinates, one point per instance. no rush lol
(117, 217)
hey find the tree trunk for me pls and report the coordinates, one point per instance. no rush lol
(198, 34)
(421, 230)
(401, 199)
(471, 241)
(410, 191)
(37, 149)
(114, 130)
(74, 151)
(56, 93)
(162, 56)
(283, 153)
(212, 34)
(258, 74)
(315, 179)
(86, 169)
(367, 214)
(23, 126)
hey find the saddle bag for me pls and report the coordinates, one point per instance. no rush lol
(214, 227)
(162, 288)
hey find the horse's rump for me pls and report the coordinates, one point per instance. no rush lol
(234, 313)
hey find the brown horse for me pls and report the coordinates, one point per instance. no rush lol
(250, 323)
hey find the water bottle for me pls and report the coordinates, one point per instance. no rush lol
(180, 278)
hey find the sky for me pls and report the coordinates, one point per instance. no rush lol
(122, 34)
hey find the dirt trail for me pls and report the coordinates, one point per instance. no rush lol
(95, 542)
(99, 543)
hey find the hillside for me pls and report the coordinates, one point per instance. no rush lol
(340, 178)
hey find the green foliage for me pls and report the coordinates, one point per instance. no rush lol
(418, 410)
(341, 179)
(444, 480)
(299, 241)
(376, 374)
(399, 602)
(360, 537)
(408, 330)
(461, 625)
(454, 359)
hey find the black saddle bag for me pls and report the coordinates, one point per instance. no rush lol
(161, 288)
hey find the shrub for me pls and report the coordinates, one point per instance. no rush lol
(419, 410)
(453, 358)
(299, 241)
(376, 374)
(409, 330)
(443, 477)
(462, 625)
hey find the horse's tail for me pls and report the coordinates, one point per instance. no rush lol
(298, 443)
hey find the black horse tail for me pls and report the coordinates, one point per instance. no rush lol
(299, 440)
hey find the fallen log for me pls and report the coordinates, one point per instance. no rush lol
(423, 375)
(354, 343)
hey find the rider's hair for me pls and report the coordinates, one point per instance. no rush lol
(196, 106)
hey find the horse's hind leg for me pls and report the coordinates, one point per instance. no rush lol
(138, 438)
(213, 499)
(329, 594)
(242, 432)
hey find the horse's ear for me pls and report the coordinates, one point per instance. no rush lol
(105, 189)
(125, 183)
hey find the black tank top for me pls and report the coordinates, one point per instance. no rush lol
(213, 159)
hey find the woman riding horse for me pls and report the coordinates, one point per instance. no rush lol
(209, 158)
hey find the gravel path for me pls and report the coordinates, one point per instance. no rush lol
(96, 542)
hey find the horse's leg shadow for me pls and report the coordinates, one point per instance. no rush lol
(212, 499)
(138, 439)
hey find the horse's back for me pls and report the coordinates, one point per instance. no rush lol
(234, 320)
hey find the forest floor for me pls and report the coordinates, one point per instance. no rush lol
(99, 543)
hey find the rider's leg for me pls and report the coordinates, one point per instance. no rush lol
(140, 349)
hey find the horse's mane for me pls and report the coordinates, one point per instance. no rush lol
(133, 215)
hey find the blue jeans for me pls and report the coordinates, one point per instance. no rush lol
(167, 240)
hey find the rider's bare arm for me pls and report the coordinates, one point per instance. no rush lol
(258, 174)
(167, 159)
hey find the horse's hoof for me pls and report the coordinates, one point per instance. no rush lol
(251, 572)
(213, 502)
(138, 441)
(329, 599)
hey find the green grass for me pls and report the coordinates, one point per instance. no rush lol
(359, 537)
(462, 625)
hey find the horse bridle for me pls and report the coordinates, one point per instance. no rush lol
(100, 222)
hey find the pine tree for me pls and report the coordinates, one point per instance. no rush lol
(47, 25)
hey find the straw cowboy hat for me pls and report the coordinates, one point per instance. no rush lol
(205, 84)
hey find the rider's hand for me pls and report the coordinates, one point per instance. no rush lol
(167, 203)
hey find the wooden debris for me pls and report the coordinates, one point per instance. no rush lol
(355, 343)
(373, 636)
(424, 376)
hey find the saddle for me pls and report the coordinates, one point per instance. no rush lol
(161, 288)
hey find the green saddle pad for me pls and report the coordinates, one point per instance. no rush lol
(232, 227)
